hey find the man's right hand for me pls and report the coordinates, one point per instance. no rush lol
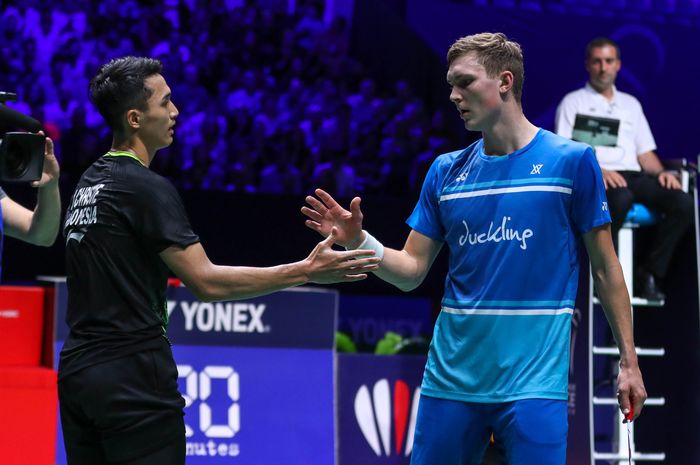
(326, 266)
(613, 179)
(325, 214)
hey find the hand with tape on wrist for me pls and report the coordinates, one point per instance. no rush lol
(324, 265)
(370, 243)
(325, 213)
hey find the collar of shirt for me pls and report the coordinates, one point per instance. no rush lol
(610, 105)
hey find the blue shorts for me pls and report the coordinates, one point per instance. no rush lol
(529, 431)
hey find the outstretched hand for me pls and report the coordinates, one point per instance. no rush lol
(325, 214)
(333, 266)
(51, 169)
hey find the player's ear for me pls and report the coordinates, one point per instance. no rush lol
(133, 118)
(506, 81)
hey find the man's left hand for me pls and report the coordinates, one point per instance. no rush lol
(668, 180)
(51, 169)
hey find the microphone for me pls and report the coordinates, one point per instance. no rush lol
(8, 116)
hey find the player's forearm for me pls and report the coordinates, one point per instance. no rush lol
(400, 269)
(241, 282)
(46, 216)
(616, 303)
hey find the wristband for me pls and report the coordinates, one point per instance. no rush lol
(372, 244)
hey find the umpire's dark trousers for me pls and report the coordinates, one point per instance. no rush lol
(676, 207)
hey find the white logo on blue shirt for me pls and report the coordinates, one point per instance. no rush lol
(536, 168)
(605, 206)
(501, 233)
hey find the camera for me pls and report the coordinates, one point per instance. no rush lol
(21, 157)
(21, 153)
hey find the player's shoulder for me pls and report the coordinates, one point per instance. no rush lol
(130, 176)
(446, 160)
(137, 173)
(559, 146)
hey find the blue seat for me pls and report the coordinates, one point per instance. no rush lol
(639, 215)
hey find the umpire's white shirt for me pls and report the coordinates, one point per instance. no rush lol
(634, 137)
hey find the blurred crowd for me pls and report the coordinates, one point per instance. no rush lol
(270, 99)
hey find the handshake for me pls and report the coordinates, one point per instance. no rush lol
(341, 227)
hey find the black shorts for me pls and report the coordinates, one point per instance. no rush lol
(122, 409)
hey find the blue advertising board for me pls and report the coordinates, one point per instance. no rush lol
(377, 407)
(257, 376)
(367, 318)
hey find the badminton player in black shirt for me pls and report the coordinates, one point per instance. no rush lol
(125, 228)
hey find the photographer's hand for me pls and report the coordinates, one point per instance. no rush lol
(51, 170)
(38, 226)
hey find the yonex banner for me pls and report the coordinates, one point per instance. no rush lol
(256, 375)
(301, 317)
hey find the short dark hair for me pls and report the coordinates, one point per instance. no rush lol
(119, 86)
(601, 42)
(496, 53)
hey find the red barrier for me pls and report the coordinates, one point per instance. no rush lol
(28, 398)
(21, 325)
(28, 403)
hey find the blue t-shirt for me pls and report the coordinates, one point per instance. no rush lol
(512, 224)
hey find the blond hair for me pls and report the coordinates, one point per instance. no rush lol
(495, 53)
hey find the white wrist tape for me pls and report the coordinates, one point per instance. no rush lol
(371, 243)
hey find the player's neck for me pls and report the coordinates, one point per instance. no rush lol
(511, 132)
(134, 146)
